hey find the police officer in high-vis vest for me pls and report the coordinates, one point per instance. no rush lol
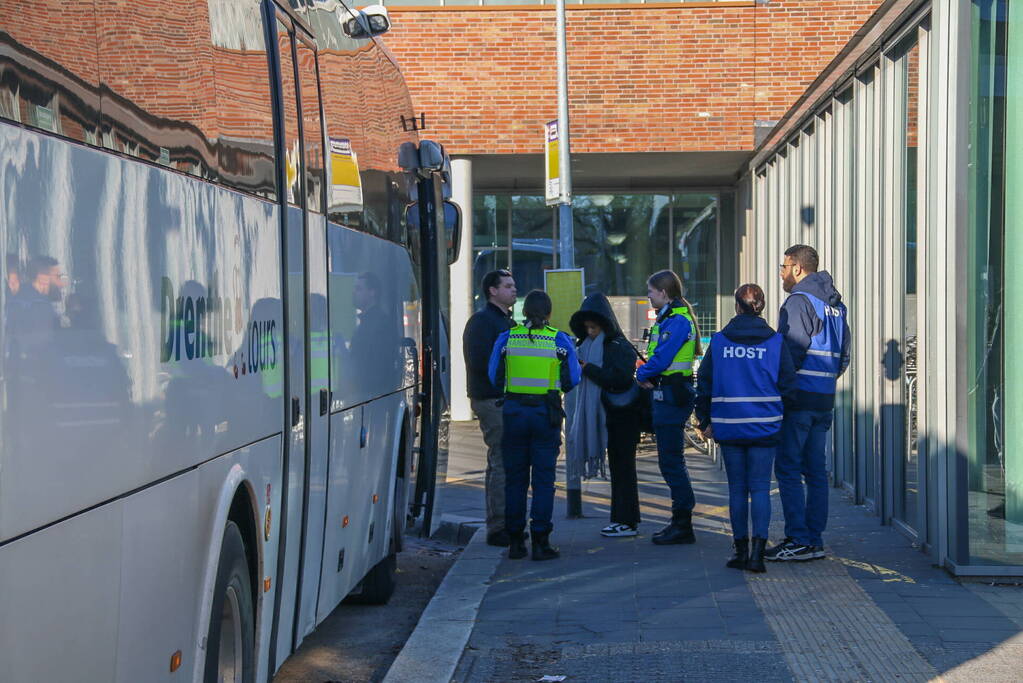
(674, 345)
(813, 323)
(746, 379)
(534, 363)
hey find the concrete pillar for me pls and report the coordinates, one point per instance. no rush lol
(462, 287)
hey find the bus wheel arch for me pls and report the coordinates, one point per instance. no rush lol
(230, 641)
(244, 512)
(401, 483)
(230, 636)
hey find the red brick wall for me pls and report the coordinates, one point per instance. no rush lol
(641, 79)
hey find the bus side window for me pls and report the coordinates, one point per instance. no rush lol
(245, 126)
(53, 81)
(292, 150)
(161, 104)
(312, 130)
(344, 113)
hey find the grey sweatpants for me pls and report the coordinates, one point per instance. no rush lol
(492, 426)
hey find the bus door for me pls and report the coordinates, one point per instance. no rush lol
(318, 396)
(300, 169)
(439, 229)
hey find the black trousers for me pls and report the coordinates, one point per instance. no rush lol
(622, 437)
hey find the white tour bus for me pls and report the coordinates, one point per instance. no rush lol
(223, 331)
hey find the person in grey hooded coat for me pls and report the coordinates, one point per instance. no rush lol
(615, 373)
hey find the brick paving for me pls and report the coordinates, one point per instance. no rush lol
(625, 609)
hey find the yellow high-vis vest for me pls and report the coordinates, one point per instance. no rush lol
(531, 366)
(682, 363)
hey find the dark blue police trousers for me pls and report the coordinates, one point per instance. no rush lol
(529, 446)
(668, 419)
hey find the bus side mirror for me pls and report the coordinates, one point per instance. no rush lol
(453, 229)
(452, 226)
(367, 22)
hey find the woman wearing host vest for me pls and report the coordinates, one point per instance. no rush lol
(746, 380)
(674, 344)
(533, 363)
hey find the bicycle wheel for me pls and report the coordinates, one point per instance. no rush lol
(693, 436)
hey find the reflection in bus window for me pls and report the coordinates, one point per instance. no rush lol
(312, 133)
(343, 111)
(245, 139)
(293, 155)
(159, 102)
(49, 79)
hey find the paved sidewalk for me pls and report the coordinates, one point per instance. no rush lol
(626, 610)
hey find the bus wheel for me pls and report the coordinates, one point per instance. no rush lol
(379, 584)
(230, 641)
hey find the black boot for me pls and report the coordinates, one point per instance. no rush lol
(756, 555)
(498, 538)
(542, 548)
(679, 531)
(517, 546)
(664, 530)
(741, 555)
(575, 503)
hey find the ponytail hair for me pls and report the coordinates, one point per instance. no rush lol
(696, 326)
(537, 310)
(749, 299)
(669, 283)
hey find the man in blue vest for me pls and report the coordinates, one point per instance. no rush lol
(813, 323)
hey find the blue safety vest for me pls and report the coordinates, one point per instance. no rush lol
(823, 361)
(745, 403)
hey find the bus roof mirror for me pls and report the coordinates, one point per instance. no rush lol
(408, 157)
(367, 22)
(431, 156)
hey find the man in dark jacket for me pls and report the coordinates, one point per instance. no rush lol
(482, 330)
(813, 322)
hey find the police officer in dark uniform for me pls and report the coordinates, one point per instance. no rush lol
(534, 363)
(674, 345)
(746, 380)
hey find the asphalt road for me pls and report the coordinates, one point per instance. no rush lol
(358, 642)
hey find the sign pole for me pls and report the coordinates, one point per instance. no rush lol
(566, 232)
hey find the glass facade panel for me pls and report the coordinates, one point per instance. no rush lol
(620, 239)
(695, 254)
(905, 361)
(994, 481)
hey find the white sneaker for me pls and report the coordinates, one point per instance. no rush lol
(618, 530)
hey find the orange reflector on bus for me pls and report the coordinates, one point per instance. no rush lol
(266, 585)
(175, 661)
(344, 522)
(375, 498)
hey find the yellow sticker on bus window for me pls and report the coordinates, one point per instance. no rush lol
(345, 181)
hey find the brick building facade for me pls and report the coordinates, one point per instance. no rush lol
(643, 78)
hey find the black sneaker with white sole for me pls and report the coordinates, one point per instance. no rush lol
(617, 530)
(817, 552)
(791, 551)
(773, 549)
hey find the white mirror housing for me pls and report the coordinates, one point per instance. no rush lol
(367, 22)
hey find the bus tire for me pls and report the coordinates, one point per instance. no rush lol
(378, 585)
(230, 642)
